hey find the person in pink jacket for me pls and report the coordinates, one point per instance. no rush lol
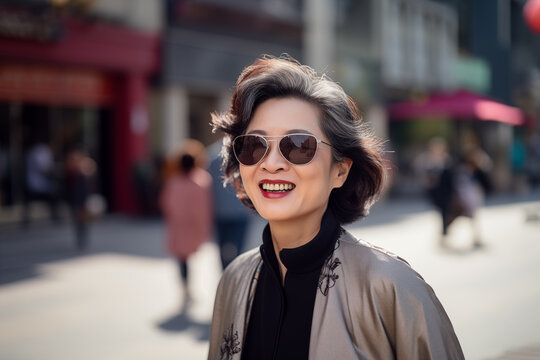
(186, 204)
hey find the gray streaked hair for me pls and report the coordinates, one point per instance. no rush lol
(341, 121)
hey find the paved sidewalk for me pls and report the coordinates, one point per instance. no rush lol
(121, 299)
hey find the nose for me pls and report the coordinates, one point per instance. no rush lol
(273, 161)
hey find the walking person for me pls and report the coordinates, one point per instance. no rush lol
(186, 204)
(80, 179)
(472, 183)
(435, 169)
(40, 181)
(298, 152)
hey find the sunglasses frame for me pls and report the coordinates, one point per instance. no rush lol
(267, 139)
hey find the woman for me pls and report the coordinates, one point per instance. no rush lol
(186, 204)
(298, 153)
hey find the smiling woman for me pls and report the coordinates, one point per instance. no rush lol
(298, 152)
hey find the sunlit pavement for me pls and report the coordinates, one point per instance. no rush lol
(121, 298)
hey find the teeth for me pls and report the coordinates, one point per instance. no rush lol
(277, 187)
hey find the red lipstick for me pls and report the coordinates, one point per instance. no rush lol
(275, 189)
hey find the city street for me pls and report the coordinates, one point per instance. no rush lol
(121, 299)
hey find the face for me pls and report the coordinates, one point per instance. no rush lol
(306, 188)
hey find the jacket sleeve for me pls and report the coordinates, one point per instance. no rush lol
(232, 306)
(218, 322)
(417, 324)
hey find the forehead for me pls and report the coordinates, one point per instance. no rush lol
(278, 116)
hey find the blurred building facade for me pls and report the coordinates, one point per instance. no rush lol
(130, 78)
(396, 50)
(206, 45)
(371, 47)
(380, 51)
(392, 50)
(76, 73)
(495, 55)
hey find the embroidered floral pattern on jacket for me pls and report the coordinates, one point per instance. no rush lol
(230, 344)
(328, 276)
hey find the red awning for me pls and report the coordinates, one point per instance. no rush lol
(458, 105)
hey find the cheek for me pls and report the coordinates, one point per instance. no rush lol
(246, 174)
(317, 180)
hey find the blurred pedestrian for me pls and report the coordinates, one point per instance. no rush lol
(186, 204)
(147, 183)
(532, 166)
(472, 182)
(231, 218)
(80, 180)
(435, 169)
(5, 188)
(518, 157)
(297, 151)
(40, 182)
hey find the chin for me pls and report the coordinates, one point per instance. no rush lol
(274, 214)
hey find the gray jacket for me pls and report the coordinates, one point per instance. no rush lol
(370, 304)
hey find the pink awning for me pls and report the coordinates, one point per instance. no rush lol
(457, 105)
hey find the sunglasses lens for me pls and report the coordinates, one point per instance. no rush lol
(298, 149)
(249, 149)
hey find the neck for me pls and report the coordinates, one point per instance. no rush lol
(294, 233)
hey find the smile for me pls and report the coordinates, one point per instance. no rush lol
(276, 187)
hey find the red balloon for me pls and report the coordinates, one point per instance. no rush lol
(531, 13)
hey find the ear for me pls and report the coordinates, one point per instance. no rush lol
(341, 172)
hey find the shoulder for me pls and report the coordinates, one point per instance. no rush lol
(246, 259)
(398, 300)
(388, 280)
(377, 268)
(375, 256)
(241, 268)
(237, 279)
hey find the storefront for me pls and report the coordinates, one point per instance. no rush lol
(71, 82)
(465, 120)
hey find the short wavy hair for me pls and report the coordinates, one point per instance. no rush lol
(341, 121)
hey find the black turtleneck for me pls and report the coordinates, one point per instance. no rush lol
(280, 322)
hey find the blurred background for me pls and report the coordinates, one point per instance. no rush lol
(96, 95)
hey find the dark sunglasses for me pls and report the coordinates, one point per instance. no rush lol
(298, 149)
